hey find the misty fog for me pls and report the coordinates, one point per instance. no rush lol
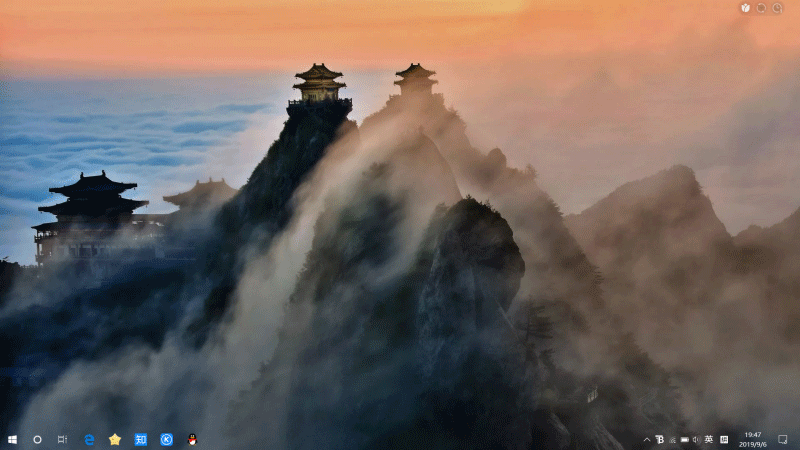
(703, 133)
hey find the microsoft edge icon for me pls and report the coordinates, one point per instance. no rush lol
(166, 439)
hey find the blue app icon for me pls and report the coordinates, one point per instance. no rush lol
(166, 439)
(88, 439)
(140, 440)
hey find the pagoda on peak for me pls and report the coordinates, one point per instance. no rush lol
(202, 196)
(319, 84)
(318, 87)
(416, 80)
(88, 222)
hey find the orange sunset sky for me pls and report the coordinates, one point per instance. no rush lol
(73, 37)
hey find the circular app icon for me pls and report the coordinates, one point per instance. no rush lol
(777, 8)
(166, 439)
(761, 8)
(37, 439)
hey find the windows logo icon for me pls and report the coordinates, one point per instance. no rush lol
(166, 439)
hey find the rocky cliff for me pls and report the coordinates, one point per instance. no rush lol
(245, 225)
(558, 272)
(263, 204)
(366, 335)
(559, 280)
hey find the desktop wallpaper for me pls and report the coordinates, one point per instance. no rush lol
(520, 225)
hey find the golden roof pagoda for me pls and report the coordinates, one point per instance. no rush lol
(319, 84)
(416, 80)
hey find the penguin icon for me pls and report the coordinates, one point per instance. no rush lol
(192, 439)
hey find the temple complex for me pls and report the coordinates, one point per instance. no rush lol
(318, 88)
(415, 81)
(90, 223)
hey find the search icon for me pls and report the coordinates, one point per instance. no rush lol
(777, 8)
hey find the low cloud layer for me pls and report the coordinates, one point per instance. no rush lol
(161, 134)
(715, 101)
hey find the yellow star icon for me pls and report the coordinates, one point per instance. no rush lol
(114, 439)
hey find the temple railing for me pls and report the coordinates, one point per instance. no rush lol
(310, 104)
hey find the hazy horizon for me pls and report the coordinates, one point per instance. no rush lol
(630, 90)
(165, 133)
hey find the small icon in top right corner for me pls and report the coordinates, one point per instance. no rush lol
(761, 8)
(777, 8)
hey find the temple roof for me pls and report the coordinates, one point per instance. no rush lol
(414, 81)
(108, 207)
(93, 185)
(417, 71)
(66, 226)
(319, 84)
(318, 71)
(203, 194)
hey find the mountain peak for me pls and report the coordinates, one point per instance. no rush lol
(792, 222)
(778, 238)
(677, 179)
(667, 210)
(671, 187)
